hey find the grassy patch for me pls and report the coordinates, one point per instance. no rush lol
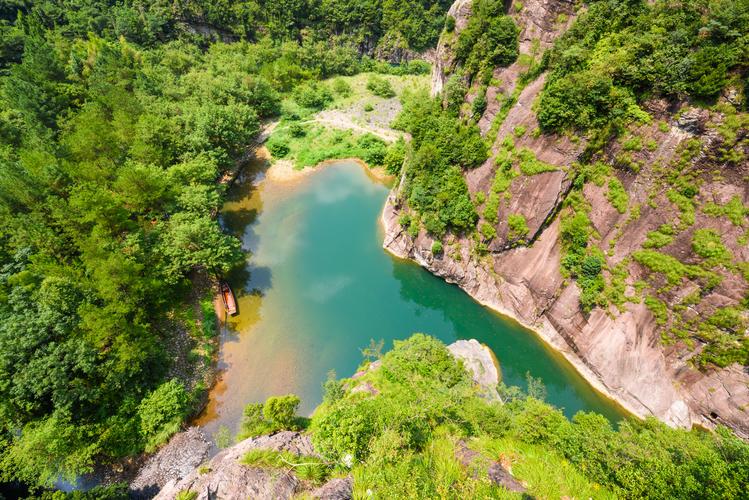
(518, 228)
(530, 165)
(661, 237)
(617, 196)
(319, 143)
(734, 210)
(305, 467)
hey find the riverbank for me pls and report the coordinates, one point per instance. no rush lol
(397, 243)
(283, 171)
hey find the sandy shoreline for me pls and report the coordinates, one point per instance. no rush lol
(283, 171)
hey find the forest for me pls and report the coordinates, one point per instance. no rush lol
(118, 120)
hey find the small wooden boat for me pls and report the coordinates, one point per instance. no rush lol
(230, 303)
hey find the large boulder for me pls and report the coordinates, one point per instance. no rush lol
(480, 361)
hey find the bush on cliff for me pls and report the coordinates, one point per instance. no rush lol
(401, 440)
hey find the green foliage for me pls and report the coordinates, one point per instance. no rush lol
(661, 237)
(319, 143)
(394, 455)
(530, 165)
(489, 40)
(394, 157)
(341, 87)
(734, 210)
(380, 86)
(617, 196)
(313, 95)
(308, 468)
(517, 227)
(455, 93)
(618, 50)
(278, 413)
(670, 267)
(488, 231)
(186, 495)
(707, 244)
(161, 413)
(441, 146)
(437, 247)
(658, 308)
(723, 333)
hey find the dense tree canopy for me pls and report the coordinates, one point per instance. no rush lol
(117, 120)
(621, 51)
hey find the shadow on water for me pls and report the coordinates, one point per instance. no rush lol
(518, 349)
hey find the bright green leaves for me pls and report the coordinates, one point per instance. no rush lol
(161, 413)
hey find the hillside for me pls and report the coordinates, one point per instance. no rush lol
(610, 213)
(425, 421)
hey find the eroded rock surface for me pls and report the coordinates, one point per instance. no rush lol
(619, 350)
(183, 453)
(479, 360)
(225, 478)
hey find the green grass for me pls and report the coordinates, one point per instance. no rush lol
(617, 196)
(518, 227)
(734, 210)
(661, 237)
(320, 143)
(305, 467)
(547, 474)
(530, 165)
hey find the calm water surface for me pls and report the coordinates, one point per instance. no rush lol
(318, 286)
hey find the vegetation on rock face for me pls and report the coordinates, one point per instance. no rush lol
(617, 52)
(403, 440)
(440, 149)
(490, 40)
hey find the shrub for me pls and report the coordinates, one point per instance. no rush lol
(278, 148)
(479, 104)
(297, 130)
(161, 413)
(380, 86)
(278, 413)
(312, 95)
(617, 196)
(449, 24)
(659, 238)
(341, 87)
(488, 231)
(437, 247)
(707, 244)
(518, 228)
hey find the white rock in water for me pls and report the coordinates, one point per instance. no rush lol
(479, 360)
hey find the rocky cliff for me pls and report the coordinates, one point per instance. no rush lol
(624, 350)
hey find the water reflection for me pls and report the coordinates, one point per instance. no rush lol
(317, 287)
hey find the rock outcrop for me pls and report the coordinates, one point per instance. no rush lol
(480, 361)
(619, 350)
(225, 477)
(183, 453)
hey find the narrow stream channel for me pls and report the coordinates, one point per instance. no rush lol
(318, 286)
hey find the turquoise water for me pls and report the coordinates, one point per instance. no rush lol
(319, 286)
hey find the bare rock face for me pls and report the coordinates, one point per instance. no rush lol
(479, 360)
(184, 452)
(619, 351)
(335, 489)
(444, 58)
(224, 477)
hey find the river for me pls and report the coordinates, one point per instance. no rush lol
(318, 286)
